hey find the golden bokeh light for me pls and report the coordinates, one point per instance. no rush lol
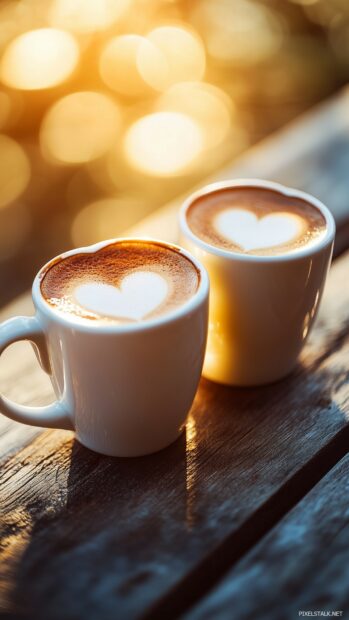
(102, 219)
(86, 16)
(14, 170)
(118, 63)
(207, 104)
(180, 57)
(242, 32)
(80, 127)
(163, 143)
(39, 59)
(111, 108)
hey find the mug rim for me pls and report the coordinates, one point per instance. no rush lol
(285, 190)
(86, 325)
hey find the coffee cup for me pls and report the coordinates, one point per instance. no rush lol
(120, 327)
(267, 250)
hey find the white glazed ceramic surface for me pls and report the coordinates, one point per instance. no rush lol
(261, 307)
(125, 389)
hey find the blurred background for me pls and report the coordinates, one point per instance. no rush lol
(110, 108)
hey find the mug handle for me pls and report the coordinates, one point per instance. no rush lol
(51, 416)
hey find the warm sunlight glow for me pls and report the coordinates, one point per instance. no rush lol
(242, 31)
(80, 127)
(87, 15)
(163, 143)
(191, 467)
(180, 57)
(118, 64)
(39, 59)
(102, 219)
(12, 104)
(207, 104)
(14, 170)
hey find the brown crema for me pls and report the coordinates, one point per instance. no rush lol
(261, 202)
(111, 265)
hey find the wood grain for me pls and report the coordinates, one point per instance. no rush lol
(86, 536)
(93, 534)
(302, 564)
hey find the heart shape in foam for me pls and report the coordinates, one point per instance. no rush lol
(139, 294)
(245, 229)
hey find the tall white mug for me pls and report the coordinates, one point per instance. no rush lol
(125, 389)
(261, 307)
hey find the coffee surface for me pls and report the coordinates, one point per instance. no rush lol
(123, 282)
(254, 220)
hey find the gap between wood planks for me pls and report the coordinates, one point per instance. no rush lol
(206, 575)
(212, 569)
(301, 564)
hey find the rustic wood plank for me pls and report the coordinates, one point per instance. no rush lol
(302, 564)
(94, 535)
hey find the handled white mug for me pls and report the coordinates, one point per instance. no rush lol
(261, 307)
(125, 389)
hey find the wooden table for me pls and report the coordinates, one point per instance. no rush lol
(247, 514)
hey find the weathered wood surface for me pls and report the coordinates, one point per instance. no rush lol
(302, 564)
(94, 537)
(90, 534)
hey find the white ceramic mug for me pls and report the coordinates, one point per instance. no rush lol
(261, 307)
(125, 389)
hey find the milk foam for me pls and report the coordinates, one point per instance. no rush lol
(139, 294)
(255, 220)
(252, 233)
(125, 281)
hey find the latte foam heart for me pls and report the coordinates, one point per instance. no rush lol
(245, 229)
(139, 294)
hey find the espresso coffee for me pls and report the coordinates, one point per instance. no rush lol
(255, 220)
(123, 282)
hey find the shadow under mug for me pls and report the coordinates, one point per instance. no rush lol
(125, 389)
(261, 307)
